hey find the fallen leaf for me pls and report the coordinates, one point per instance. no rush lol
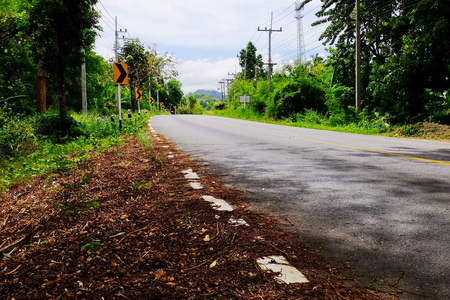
(213, 264)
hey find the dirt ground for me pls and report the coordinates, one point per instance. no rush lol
(126, 224)
(425, 131)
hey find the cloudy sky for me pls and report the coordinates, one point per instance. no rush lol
(205, 36)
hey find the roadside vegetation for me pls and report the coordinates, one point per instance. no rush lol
(405, 71)
(32, 146)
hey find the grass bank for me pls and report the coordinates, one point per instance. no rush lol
(44, 144)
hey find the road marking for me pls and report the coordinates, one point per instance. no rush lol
(335, 144)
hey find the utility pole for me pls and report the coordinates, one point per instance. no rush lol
(118, 95)
(83, 82)
(222, 88)
(270, 46)
(227, 81)
(234, 93)
(358, 58)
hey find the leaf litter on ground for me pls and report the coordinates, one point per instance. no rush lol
(130, 226)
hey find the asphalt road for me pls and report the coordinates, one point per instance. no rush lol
(380, 205)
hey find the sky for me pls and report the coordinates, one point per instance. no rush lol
(205, 36)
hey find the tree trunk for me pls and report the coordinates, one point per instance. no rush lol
(62, 91)
(132, 93)
(41, 89)
(61, 56)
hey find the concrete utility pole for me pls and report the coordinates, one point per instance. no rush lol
(222, 88)
(118, 95)
(234, 93)
(83, 82)
(358, 58)
(227, 81)
(270, 47)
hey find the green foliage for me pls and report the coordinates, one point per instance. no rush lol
(191, 106)
(220, 105)
(57, 128)
(296, 96)
(25, 154)
(92, 246)
(251, 63)
(404, 53)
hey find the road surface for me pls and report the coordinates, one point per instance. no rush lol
(378, 205)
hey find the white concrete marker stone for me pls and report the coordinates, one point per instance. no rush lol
(170, 156)
(196, 185)
(191, 176)
(238, 222)
(218, 204)
(279, 264)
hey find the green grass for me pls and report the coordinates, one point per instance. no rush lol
(310, 120)
(29, 153)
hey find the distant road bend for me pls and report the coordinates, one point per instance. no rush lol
(380, 204)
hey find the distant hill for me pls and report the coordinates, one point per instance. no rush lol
(199, 93)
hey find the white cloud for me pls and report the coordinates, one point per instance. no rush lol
(204, 73)
(206, 35)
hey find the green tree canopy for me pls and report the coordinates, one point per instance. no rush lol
(405, 48)
(251, 63)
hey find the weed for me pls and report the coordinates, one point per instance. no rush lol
(91, 246)
(186, 219)
(139, 185)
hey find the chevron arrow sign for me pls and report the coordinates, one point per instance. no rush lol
(139, 95)
(120, 73)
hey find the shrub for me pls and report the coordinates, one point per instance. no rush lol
(59, 129)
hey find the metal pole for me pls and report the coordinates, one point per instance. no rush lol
(83, 83)
(118, 96)
(358, 58)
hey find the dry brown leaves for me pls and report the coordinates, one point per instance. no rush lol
(126, 224)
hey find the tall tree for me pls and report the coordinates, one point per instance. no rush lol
(251, 63)
(405, 48)
(61, 28)
(133, 53)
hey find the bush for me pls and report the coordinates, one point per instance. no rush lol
(220, 106)
(59, 129)
(16, 135)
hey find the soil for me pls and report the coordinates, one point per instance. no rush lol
(126, 224)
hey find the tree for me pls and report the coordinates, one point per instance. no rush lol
(405, 48)
(175, 94)
(17, 70)
(60, 28)
(146, 65)
(251, 63)
(133, 53)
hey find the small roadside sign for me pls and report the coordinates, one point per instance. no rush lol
(139, 95)
(245, 99)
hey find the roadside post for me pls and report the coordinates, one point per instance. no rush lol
(120, 78)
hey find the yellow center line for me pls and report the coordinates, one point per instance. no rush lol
(333, 144)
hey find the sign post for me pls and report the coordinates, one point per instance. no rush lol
(245, 99)
(120, 78)
(139, 97)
